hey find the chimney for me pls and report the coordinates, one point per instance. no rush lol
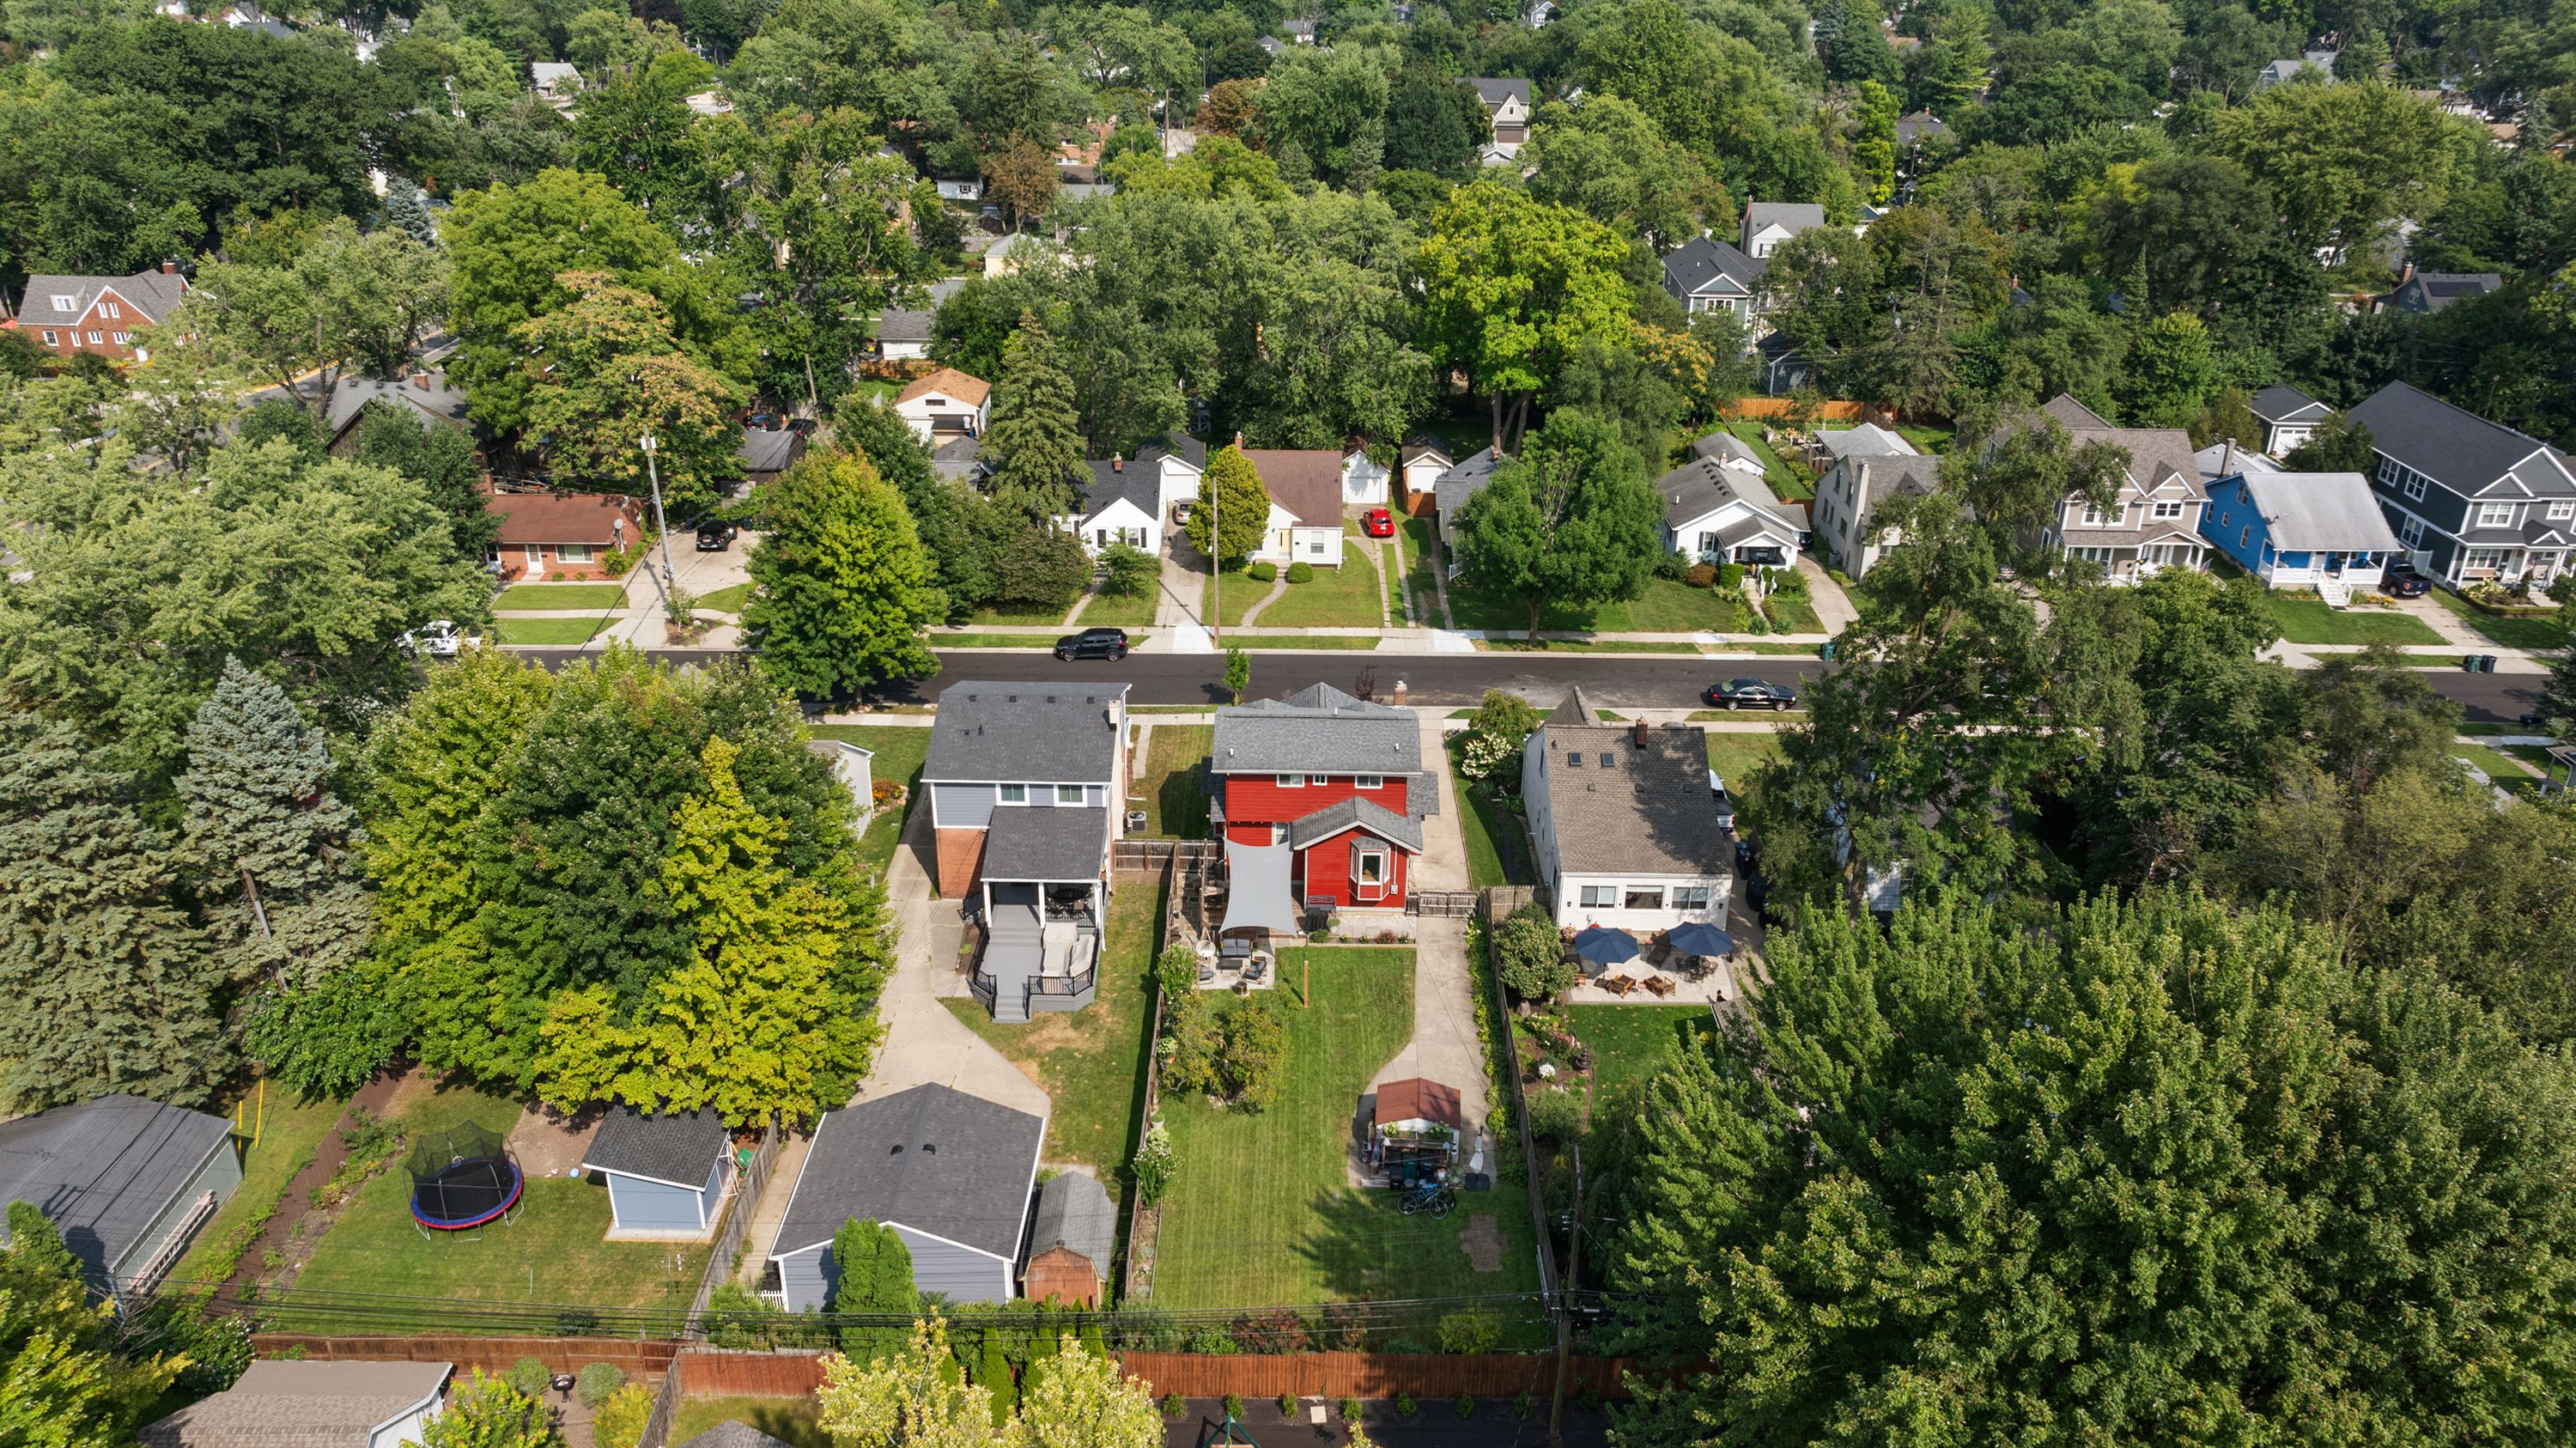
(2227, 461)
(2405, 275)
(1117, 464)
(169, 266)
(1238, 442)
(1637, 734)
(420, 378)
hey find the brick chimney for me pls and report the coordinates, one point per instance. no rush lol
(169, 266)
(420, 378)
(1117, 464)
(1637, 734)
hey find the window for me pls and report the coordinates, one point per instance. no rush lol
(1368, 781)
(1278, 834)
(572, 553)
(1068, 794)
(1574, 759)
(1600, 897)
(2245, 536)
(1372, 867)
(96, 338)
(1710, 543)
(1015, 794)
(2096, 518)
(1317, 546)
(2492, 560)
(1690, 897)
(1292, 781)
(65, 301)
(2560, 512)
(1644, 897)
(51, 339)
(110, 308)
(2411, 532)
(2168, 510)
(2495, 515)
(121, 337)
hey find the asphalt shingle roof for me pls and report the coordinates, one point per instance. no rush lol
(1695, 263)
(104, 1169)
(440, 401)
(1134, 479)
(2281, 402)
(1791, 216)
(1012, 733)
(1724, 446)
(1305, 481)
(155, 294)
(1643, 811)
(897, 325)
(1462, 480)
(1074, 1211)
(1060, 843)
(284, 1404)
(1352, 811)
(1321, 730)
(678, 1149)
(1494, 90)
(1701, 486)
(1868, 440)
(931, 1158)
(2457, 448)
(2320, 512)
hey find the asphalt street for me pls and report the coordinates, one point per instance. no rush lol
(1616, 681)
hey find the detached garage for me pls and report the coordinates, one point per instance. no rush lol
(126, 1181)
(666, 1173)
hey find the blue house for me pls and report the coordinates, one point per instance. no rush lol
(2299, 530)
(666, 1174)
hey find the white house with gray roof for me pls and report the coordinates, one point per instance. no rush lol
(1129, 500)
(1769, 223)
(2153, 520)
(128, 1183)
(1870, 466)
(953, 1175)
(2289, 417)
(2470, 499)
(1450, 491)
(1717, 514)
(1705, 274)
(1626, 830)
(1507, 106)
(1026, 785)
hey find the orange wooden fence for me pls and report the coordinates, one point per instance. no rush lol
(1206, 1375)
(492, 1354)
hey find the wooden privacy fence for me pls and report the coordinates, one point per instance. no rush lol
(639, 1358)
(1825, 411)
(1137, 855)
(1428, 1376)
(740, 1202)
(1441, 904)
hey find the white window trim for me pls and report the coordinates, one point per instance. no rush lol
(1368, 781)
(1014, 794)
(64, 302)
(1609, 900)
(1291, 781)
(2495, 515)
(52, 340)
(96, 338)
(572, 553)
(1703, 892)
(1062, 790)
(2168, 510)
(1657, 891)
(1378, 858)
(2560, 512)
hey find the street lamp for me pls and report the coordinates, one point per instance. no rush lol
(670, 578)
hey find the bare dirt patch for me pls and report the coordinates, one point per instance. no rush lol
(548, 1143)
(1482, 1241)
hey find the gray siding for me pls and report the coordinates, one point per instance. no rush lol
(649, 1206)
(1096, 795)
(221, 1174)
(713, 1192)
(805, 1279)
(962, 806)
(964, 1274)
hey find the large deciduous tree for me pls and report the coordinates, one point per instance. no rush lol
(345, 301)
(1511, 287)
(2343, 161)
(844, 588)
(1233, 512)
(1570, 522)
(71, 1382)
(606, 371)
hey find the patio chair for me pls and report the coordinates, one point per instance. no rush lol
(1661, 985)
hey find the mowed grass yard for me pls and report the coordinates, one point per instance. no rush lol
(543, 596)
(1344, 597)
(1735, 755)
(1667, 606)
(1131, 611)
(797, 1422)
(1261, 1209)
(2517, 631)
(547, 630)
(1497, 845)
(553, 1252)
(290, 1131)
(1630, 1043)
(1174, 787)
(899, 752)
(2309, 621)
(730, 599)
(1092, 1061)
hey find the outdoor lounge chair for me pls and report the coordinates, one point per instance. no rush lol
(1661, 985)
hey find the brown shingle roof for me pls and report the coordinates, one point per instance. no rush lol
(1419, 1098)
(969, 390)
(1305, 481)
(279, 1404)
(1645, 812)
(567, 518)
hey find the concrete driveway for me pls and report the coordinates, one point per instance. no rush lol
(1444, 1045)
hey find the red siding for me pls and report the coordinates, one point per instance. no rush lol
(1259, 799)
(1324, 868)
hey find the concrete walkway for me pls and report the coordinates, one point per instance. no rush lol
(1278, 586)
(1442, 864)
(1444, 1047)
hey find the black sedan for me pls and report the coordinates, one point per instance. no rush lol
(2402, 581)
(1093, 643)
(1749, 693)
(716, 535)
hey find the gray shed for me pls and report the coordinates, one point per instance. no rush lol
(1071, 1241)
(952, 1174)
(127, 1182)
(666, 1173)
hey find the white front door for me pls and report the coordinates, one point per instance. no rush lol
(536, 561)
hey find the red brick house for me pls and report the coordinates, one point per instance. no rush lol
(1338, 781)
(70, 315)
(562, 535)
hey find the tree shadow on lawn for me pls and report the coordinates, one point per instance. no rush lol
(1366, 1249)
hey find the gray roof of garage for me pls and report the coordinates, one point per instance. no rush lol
(931, 1158)
(677, 1149)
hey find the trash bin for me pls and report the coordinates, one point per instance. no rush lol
(1825, 651)
(2486, 663)
(2468, 663)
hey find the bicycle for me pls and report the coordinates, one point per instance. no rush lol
(1439, 1201)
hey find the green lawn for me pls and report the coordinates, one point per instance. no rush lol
(726, 600)
(1629, 1042)
(1109, 610)
(1019, 618)
(1173, 787)
(1300, 641)
(1927, 440)
(2522, 631)
(1581, 646)
(289, 1130)
(548, 630)
(1344, 597)
(1261, 1209)
(540, 596)
(2310, 621)
(1092, 1061)
(1792, 613)
(1421, 543)
(1497, 846)
(1668, 606)
(1735, 756)
(2504, 767)
(994, 641)
(899, 752)
(1788, 479)
(795, 1421)
(554, 1251)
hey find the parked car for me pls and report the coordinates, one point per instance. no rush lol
(1378, 523)
(1725, 803)
(1181, 512)
(1093, 643)
(438, 639)
(1751, 693)
(2400, 580)
(1748, 857)
(716, 535)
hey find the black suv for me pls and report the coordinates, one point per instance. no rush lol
(2400, 580)
(716, 535)
(1093, 643)
(1750, 693)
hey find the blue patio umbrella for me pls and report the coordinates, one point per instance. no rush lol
(1700, 938)
(1604, 946)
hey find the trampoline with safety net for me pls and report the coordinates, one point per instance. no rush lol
(461, 1177)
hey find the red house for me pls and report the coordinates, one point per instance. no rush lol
(1336, 780)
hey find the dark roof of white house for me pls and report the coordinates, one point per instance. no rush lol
(1791, 216)
(1703, 485)
(897, 325)
(931, 1158)
(1013, 733)
(1620, 807)
(1696, 264)
(1494, 90)
(2281, 402)
(678, 1149)
(104, 1170)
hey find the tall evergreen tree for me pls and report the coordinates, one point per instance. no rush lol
(1036, 434)
(110, 988)
(283, 892)
(844, 585)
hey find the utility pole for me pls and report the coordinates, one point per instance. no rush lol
(1216, 563)
(670, 578)
(1565, 1304)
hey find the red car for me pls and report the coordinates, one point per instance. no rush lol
(1378, 523)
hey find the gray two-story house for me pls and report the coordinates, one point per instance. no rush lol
(2153, 522)
(1026, 783)
(2471, 500)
